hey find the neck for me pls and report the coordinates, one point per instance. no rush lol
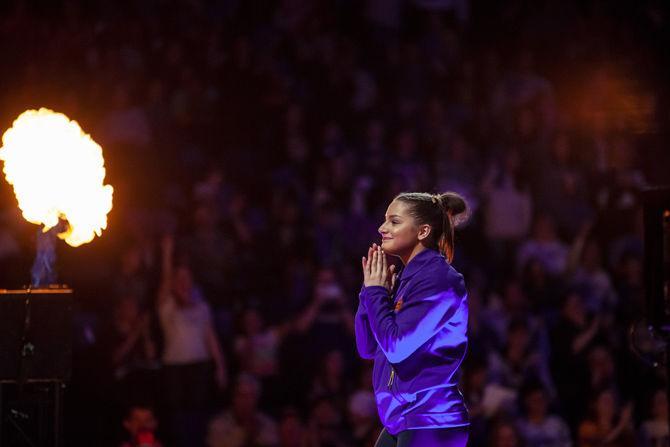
(415, 251)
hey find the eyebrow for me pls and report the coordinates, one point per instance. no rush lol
(393, 215)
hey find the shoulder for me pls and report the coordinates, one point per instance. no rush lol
(222, 420)
(587, 428)
(266, 421)
(440, 273)
(555, 421)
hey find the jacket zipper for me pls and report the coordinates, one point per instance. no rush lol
(390, 382)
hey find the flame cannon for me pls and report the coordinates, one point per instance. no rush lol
(57, 172)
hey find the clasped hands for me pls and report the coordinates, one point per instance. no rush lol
(376, 271)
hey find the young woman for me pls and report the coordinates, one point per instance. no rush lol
(413, 324)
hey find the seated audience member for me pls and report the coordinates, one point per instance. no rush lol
(141, 424)
(243, 424)
(363, 419)
(519, 360)
(330, 380)
(607, 423)
(654, 429)
(537, 427)
(505, 434)
(327, 425)
(573, 335)
(545, 246)
(133, 351)
(257, 350)
(292, 432)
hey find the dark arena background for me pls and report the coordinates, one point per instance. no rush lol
(255, 145)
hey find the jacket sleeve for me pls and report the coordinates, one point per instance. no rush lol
(427, 307)
(365, 340)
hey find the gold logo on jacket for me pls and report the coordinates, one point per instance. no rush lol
(398, 305)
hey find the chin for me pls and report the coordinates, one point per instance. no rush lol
(388, 248)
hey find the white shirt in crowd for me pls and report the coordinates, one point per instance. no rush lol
(185, 331)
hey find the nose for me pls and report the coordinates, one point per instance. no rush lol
(382, 229)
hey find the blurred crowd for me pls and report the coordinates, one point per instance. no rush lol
(254, 147)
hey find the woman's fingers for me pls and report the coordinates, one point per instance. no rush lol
(381, 271)
(375, 267)
(375, 264)
(380, 258)
(384, 268)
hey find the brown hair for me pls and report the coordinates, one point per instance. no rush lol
(443, 212)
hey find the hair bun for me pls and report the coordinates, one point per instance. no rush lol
(454, 204)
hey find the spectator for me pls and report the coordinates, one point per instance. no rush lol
(326, 425)
(257, 351)
(505, 434)
(141, 424)
(330, 380)
(192, 358)
(572, 336)
(134, 357)
(538, 427)
(292, 432)
(362, 409)
(608, 423)
(518, 361)
(545, 246)
(507, 206)
(654, 429)
(243, 424)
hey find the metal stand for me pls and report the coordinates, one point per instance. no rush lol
(31, 415)
(35, 364)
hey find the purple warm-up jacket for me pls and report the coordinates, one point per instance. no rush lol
(417, 338)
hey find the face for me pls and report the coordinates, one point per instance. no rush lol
(140, 419)
(334, 363)
(127, 310)
(606, 405)
(400, 233)
(290, 430)
(182, 284)
(536, 403)
(573, 308)
(506, 437)
(245, 398)
(660, 404)
(601, 362)
(517, 338)
(253, 323)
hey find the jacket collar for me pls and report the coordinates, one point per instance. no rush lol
(418, 262)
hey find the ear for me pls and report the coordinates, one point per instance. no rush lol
(424, 231)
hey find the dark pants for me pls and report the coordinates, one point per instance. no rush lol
(426, 437)
(188, 392)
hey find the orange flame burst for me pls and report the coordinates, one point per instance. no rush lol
(57, 172)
